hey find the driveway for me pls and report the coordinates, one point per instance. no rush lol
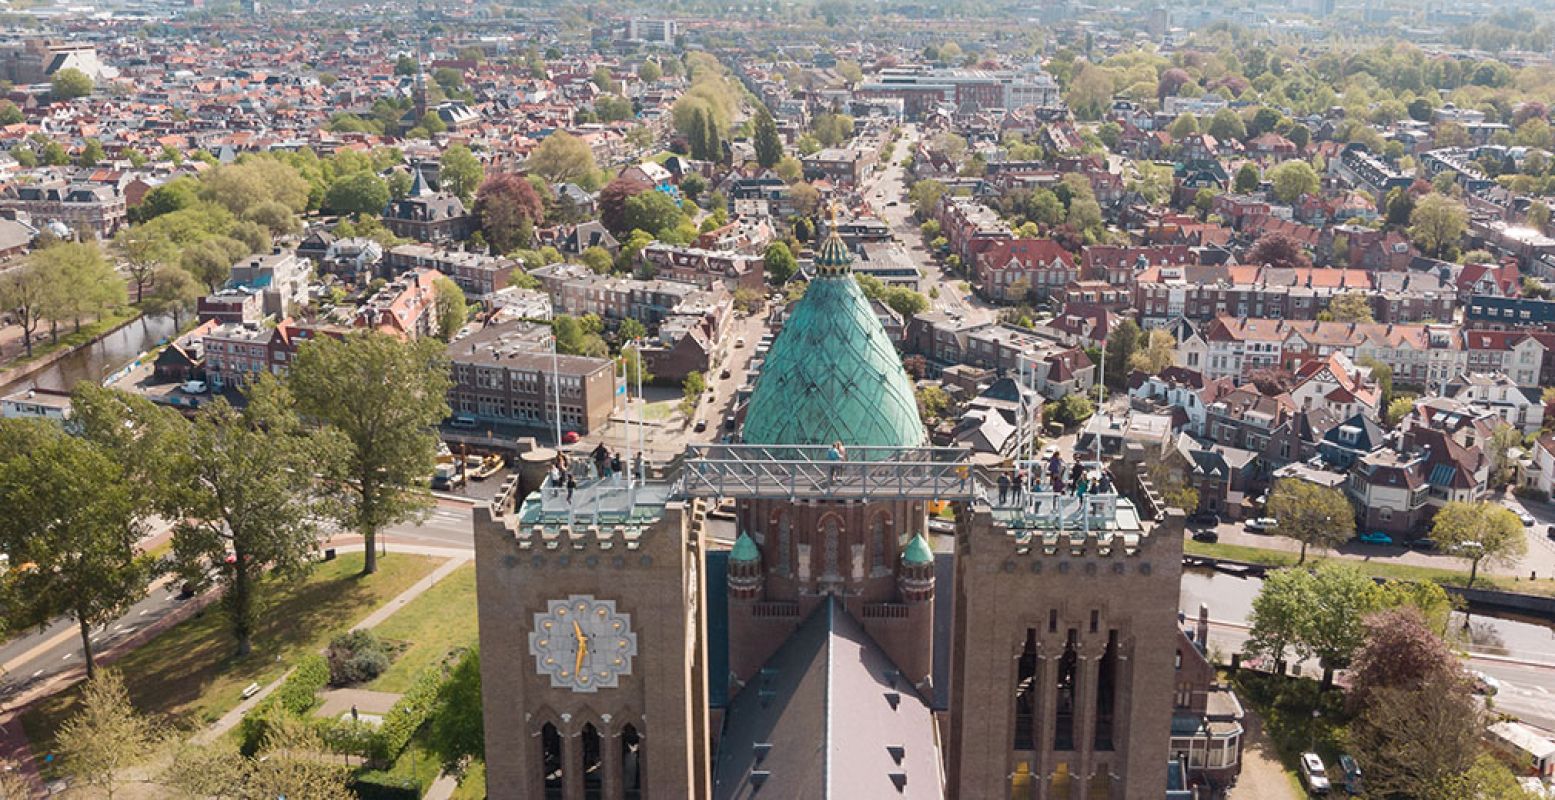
(1263, 776)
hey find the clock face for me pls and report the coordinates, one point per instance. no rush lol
(582, 643)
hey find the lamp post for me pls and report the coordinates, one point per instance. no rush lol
(1312, 729)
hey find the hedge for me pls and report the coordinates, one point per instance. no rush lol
(296, 696)
(407, 716)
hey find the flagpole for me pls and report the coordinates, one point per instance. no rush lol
(556, 389)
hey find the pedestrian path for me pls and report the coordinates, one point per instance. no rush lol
(459, 558)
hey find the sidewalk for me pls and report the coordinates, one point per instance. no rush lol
(231, 719)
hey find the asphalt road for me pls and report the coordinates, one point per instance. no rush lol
(889, 185)
(37, 656)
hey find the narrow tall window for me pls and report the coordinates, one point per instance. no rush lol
(593, 765)
(832, 532)
(1063, 733)
(878, 540)
(631, 763)
(1106, 689)
(1025, 695)
(551, 761)
(783, 543)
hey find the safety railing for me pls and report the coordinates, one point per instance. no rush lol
(760, 472)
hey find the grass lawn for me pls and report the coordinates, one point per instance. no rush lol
(1285, 706)
(473, 787)
(69, 337)
(432, 627)
(1374, 567)
(189, 675)
(661, 410)
(415, 767)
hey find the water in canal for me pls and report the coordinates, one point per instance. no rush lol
(1230, 599)
(101, 358)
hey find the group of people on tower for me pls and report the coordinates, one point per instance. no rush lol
(1021, 485)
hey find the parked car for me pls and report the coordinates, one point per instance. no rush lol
(700, 426)
(1262, 525)
(1204, 518)
(462, 421)
(1352, 774)
(1484, 684)
(1206, 535)
(570, 437)
(1313, 776)
(195, 387)
(724, 375)
(1526, 518)
(729, 422)
(739, 342)
(1550, 533)
(1375, 537)
(1426, 545)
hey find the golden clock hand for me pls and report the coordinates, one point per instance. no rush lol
(583, 648)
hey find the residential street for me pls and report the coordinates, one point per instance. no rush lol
(887, 187)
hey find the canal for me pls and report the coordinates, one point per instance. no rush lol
(100, 358)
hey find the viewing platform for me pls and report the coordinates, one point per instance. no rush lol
(787, 472)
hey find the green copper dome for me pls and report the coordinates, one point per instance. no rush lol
(918, 552)
(832, 374)
(744, 549)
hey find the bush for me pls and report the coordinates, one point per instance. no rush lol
(356, 657)
(295, 697)
(1531, 493)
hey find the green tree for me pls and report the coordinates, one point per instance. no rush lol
(933, 402)
(1538, 214)
(29, 292)
(1400, 206)
(1399, 408)
(1278, 619)
(460, 172)
(72, 514)
(358, 193)
(597, 259)
(1292, 179)
(1227, 126)
(1350, 307)
(768, 144)
(142, 255)
(1437, 224)
(175, 195)
(1122, 343)
(1479, 532)
(924, 196)
(1314, 515)
(92, 154)
(1156, 353)
(455, 732)
(652, 211)
(691, 392)
(173, 291)
(246, 500)
(69, 84)
(88, 284)
(1184, 126)
(386, 397)
(649, 72)
(451, 308)
(10, 114)
(105, 737)
(562, 158)
(54, 155)
(780, 263)
(1333, 627)
(1247, 179)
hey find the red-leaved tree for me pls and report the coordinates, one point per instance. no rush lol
(1278, 250)
(507, 207)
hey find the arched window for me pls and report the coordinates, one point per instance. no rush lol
(551, 761)
(593, 764)
(831, 529)
(631, 763)
(878, 538)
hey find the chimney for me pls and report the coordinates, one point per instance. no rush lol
(1202, 632)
